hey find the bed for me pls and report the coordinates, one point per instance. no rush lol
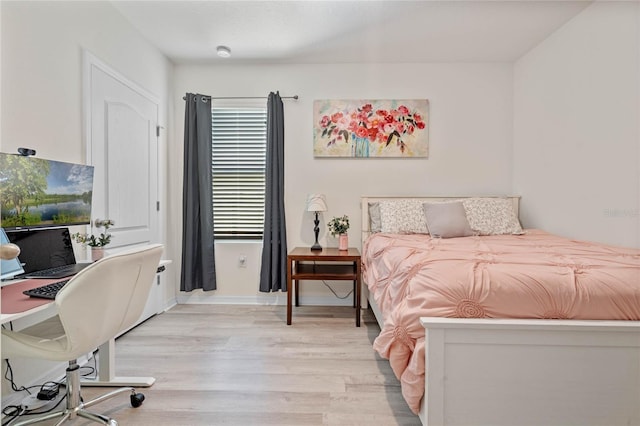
(526, 343)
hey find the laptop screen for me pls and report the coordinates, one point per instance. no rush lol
(8, 268)
(43, 248)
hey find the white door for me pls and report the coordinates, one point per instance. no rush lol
(123, 147)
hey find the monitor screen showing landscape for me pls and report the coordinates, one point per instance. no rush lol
(36, 193)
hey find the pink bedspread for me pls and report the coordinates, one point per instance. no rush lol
(536, 275)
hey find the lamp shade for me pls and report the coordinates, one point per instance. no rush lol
(316, 203)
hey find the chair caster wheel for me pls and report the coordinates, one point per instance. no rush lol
(136, 400)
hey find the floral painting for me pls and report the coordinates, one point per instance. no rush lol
(371, 128)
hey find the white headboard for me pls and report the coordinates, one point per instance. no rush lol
(366, 200)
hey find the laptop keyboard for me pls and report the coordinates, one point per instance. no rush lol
(53, 271)
(48, 291)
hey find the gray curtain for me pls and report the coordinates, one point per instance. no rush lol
(198, 264)
(273, 272)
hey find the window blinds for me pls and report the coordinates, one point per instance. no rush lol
(238, 165)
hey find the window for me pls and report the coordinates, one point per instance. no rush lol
(239, 142)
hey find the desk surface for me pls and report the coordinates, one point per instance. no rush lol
(16, 305)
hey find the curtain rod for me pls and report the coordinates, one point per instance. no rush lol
(184, 98)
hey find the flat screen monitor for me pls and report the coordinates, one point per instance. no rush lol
(37, 193)
(9, 268)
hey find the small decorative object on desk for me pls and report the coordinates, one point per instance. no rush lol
(97, 253)
(96, 243)
(339, 226)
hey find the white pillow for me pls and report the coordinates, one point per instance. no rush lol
(491, 216)
(402, 217)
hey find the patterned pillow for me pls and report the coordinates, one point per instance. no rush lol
(403, 217)
(491, 216)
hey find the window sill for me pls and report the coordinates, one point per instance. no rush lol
(224, 242)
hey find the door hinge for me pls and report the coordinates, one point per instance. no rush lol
(158, 127)
(157, 206)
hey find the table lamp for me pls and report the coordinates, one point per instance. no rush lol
(316, 203)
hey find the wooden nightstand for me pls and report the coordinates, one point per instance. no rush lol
(301, 265)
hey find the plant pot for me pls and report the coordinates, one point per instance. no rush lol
(343, 242)
(97, 253)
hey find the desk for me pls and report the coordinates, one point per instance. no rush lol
(12, 296)
(301, 265)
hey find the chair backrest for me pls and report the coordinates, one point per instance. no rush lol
(107, 297)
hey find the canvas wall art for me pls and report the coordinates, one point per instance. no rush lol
(371, 128)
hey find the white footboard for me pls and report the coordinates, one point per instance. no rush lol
(531, 372)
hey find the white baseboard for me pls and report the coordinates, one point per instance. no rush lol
(170, 304)
(267, 299)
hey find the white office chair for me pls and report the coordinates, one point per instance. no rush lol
(96, 305)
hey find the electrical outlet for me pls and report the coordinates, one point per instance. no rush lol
(242, 261)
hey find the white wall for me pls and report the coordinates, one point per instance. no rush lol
(42, 44)
(470, 147)
(576, 127)
(41, 78)
(41, 70)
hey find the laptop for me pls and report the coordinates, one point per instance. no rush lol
(46, 253)
(8, 268)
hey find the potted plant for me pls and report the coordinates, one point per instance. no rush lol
(97, 243)
(339, 226)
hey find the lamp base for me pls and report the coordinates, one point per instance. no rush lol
(316, 231)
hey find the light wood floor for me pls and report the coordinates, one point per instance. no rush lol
(242, 365)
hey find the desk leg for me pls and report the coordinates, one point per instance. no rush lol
(106, 371)
(358, 291)
(289, 289)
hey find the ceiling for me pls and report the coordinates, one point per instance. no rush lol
(364, 31)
